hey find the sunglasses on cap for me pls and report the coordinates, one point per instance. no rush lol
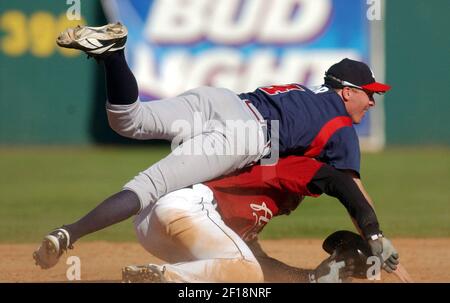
(349, 84)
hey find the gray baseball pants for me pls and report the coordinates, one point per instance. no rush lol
(213, 133)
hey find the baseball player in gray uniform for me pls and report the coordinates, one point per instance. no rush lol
(213, 131)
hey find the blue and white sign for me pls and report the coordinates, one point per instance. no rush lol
(176, 45)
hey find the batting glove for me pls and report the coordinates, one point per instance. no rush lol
(383, 249)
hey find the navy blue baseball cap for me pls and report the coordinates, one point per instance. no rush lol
(353, 73)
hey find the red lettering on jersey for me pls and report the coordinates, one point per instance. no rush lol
(279, 89)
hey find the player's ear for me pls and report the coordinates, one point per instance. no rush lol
(341, 92)
(346, 93)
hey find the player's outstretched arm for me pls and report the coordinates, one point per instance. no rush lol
(340, 185)
(360, 185)
(348, 188)
(275, 270)
(328, 271)
(379, 246)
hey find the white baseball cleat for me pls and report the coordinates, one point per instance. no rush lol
(94, 41)
(52, 247)
(142, 274)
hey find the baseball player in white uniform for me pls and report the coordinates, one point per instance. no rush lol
(185, 229)
(208, 232)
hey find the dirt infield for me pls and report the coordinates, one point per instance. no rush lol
(427, 260)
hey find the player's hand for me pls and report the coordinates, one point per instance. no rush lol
(383, 249)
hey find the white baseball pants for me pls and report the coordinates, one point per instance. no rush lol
(184, 229)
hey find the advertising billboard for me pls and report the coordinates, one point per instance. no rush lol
(176, 45)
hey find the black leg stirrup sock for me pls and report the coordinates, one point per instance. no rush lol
(114, 209)
(121, 84)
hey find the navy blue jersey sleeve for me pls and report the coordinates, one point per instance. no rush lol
(342, 150)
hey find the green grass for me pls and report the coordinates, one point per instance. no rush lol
(409, 186)
(42, 188)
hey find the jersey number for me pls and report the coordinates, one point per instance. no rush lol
(279, 89)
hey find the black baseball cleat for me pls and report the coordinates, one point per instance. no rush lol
(95, 41)
(52, 247)
(142, 274)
